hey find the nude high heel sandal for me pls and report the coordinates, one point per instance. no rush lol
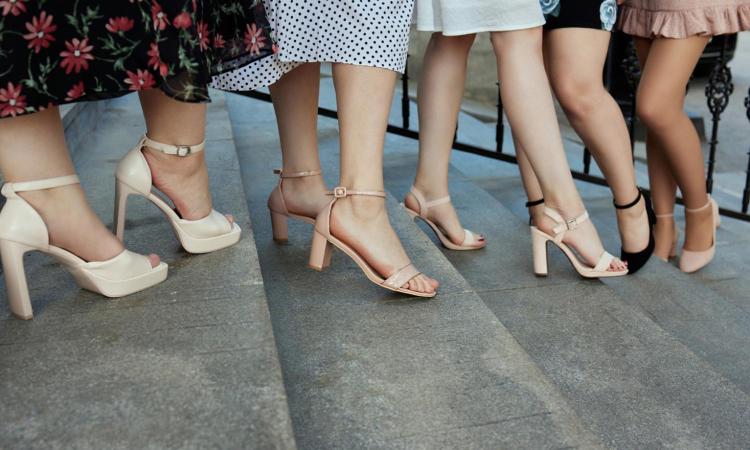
(320, 254)
(22, 230)
(277, 206)
(675, 238)
(471, 241)
(693, 261)
(205, 235)
(539, 245)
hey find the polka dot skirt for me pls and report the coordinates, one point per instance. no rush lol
(361, 32)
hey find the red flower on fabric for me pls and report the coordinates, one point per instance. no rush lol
(203, 38)
(140, 80)
(254, 39)
(159, 17)
(219, 41)
(183, 20)
(40, 32)
(77, 55)
(11, 101)
(75, 92)
(14, 7)
(155, 62)
(118, 24)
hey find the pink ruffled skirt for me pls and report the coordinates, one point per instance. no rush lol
(679, 19)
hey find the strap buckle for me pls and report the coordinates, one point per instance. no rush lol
(339, 192)
(184, 150)
(572, 223)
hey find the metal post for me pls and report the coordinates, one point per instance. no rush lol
(718, 90)
(405, 103)
(746, 193)
(586, 161)
(632, 69)
(500, 127)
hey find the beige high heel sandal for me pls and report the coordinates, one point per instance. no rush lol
(277, 206)
(693, 261)
(471, 241)
(675, 238)
(320, 254)
(539, 245)
(205, 235)
(22, 230)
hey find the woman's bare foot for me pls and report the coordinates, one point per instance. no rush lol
(699, 229)
(362, 223)
(635, 232)
(73, 226)
(305, 196)
(443, 215)
(184, 179)
(584, 239)
(665, 236)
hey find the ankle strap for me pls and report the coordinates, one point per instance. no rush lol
(631, 204)
(342, 192)
(38, 185)
(169, 149)
(565, 225)
(695, 210)
(309, 173)
(424, 205)
(531, 204)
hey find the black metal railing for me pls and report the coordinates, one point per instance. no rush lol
(621, 76)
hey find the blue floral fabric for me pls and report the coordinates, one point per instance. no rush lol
(595, 14)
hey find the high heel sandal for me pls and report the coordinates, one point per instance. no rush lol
(277, 206)
(636, 261)
(205, 235)
(471, 241)
(22, 229)
(539, 246)
(320, 254)
(675, 237)
(693, 261)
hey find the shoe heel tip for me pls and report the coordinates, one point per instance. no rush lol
(317, 268)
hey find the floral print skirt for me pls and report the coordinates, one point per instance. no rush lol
(594, 14)
(61, 51)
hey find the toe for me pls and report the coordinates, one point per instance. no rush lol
(154, 260)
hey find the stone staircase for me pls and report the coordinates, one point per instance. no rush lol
(248, 348)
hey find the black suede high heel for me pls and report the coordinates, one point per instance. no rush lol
(637, 260)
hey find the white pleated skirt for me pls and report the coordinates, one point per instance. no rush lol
(459, 17)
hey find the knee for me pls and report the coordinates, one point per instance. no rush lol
(579, 98)
(655, 112)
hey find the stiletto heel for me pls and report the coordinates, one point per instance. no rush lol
(15, 278)
(323, 239)
(277, 205)
(279, 227)
(122, 192)
(471, 240)
(637, 260)
(22, 229)
(692, 261)
(539, 248)
(540, 238)
(320, 252)
(205, 235)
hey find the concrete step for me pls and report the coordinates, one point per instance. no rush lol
(190, 363)
(653, 352)
(366, 368)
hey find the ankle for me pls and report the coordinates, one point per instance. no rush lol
(185, 166)
(362, 208)
(432, 190)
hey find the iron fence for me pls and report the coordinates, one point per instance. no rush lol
(621, 77)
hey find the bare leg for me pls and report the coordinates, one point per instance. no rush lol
(528, 102)
(32, 147)
(295, 100)
(575, 61)
(183, 179)
(530, 182)
(661, 98)
(440, 92)
(364, 96)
